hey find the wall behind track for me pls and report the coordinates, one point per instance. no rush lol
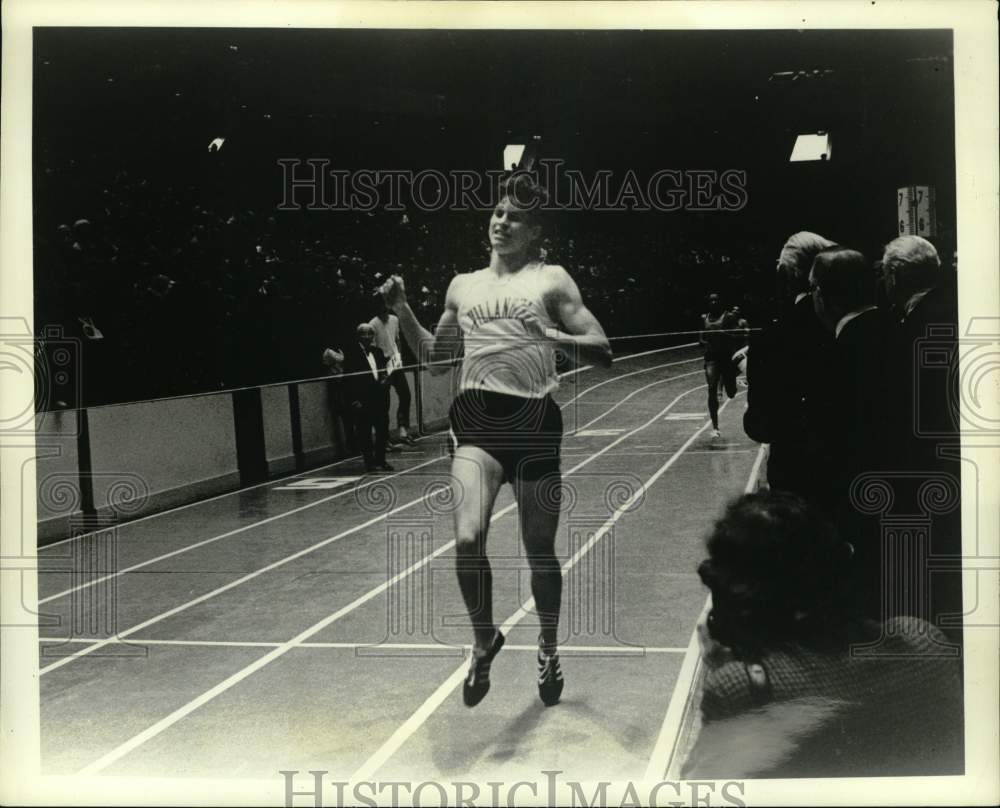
(105, 465)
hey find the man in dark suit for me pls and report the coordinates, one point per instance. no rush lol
(924, 301)
(843, 295)
(925, 437)
(787, 379)
(367, 395)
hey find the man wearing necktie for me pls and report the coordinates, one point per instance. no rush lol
(368, 397)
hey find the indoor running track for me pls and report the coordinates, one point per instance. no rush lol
(291, 626)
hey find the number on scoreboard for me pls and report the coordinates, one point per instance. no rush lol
(916, 211)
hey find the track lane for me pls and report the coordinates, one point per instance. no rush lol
(257, 665)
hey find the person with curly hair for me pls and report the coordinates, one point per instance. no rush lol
(798, 682)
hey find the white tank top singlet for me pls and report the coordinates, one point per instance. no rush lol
(500, 354)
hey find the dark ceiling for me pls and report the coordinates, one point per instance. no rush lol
(559, 82)
(404, 98)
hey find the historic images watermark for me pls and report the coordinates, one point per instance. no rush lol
(546, 789)
(49, 423)
(314, 185)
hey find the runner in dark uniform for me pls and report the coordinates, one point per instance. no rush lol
(720, 343)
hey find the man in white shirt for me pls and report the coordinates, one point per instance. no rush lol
(386, 327)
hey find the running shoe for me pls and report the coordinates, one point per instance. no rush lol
(477, 682)
(550, 680)
(716, 433)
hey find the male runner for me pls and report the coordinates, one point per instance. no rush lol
(510, 318)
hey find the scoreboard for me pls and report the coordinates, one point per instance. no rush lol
(916, 211)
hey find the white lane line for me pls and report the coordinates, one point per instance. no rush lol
(138, 641)
(251, 526)
(659, 453)
(275, 481)
(664, 757)
(232, 584)
(564, 650)
(666, 739)
(584, 392)
(188, 547)
(208, 595)
(629, 356)
(633, 393)
(568, 650)
(278, 651)
(327, 465)
(186, 709)
(609, 650)
(654, 350)
(721, 451)
(424, 711)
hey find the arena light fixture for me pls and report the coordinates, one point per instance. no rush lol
(811, 147)
(512, 154)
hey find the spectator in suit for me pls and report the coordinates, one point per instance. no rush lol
(843, 294)
(367, 395)
(793, 688)
(924, 437)
(786, 376)
(923, 297)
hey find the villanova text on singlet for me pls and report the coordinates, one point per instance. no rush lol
(500, 354)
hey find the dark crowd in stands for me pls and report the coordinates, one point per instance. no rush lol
(170, 294)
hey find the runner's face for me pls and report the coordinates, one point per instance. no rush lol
(511, 230)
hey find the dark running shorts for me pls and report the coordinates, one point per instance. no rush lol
(523, 434)
(727, 370)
